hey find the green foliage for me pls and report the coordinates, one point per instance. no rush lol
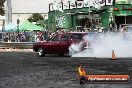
(35, 17)
(2, 10)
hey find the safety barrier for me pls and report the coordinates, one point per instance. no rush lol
(16, 46)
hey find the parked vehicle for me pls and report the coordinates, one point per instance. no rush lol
(58, 44)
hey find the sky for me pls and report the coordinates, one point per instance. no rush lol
(30, 6)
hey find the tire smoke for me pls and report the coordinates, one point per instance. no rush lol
(101, 45)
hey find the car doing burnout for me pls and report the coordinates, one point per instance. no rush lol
(58, 44)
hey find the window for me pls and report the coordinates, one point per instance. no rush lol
(65, 37)
(56, 38)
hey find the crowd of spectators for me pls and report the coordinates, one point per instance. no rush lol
(29, 36)
(34, 36)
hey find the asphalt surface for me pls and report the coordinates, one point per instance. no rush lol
(27, 70)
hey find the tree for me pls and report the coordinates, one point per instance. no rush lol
(2, 10)
(43, 23)
(35, 17)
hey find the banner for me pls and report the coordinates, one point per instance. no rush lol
(60, 21)
(72, 4)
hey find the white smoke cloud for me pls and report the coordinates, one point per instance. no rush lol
(101, 46)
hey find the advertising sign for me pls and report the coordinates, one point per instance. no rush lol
(102, 2)
(51, 7)
(96, 4)
(65, 5)
(79, 3)
(86, 3)
(60, 7)
(109, 2)
(72, 4)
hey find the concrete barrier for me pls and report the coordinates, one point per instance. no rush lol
(16, 50)
(16, 45)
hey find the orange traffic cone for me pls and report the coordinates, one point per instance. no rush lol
(113, 55)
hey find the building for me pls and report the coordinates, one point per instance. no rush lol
(81, 14)
(123, 12)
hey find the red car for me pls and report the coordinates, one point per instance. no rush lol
(59, 44)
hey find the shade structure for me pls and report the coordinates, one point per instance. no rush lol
(11, 27)
(3, 18)
(28, 26)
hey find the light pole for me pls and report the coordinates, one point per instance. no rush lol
(18, 21)
(9, 11)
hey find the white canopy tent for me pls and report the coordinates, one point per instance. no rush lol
(3, 18)
(9, 27)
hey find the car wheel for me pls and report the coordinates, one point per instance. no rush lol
(41, 52)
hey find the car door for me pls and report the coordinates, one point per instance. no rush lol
(55, 45)
(65, 43)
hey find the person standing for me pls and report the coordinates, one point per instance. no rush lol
(112, 27)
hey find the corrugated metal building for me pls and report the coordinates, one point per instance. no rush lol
(82, 14)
